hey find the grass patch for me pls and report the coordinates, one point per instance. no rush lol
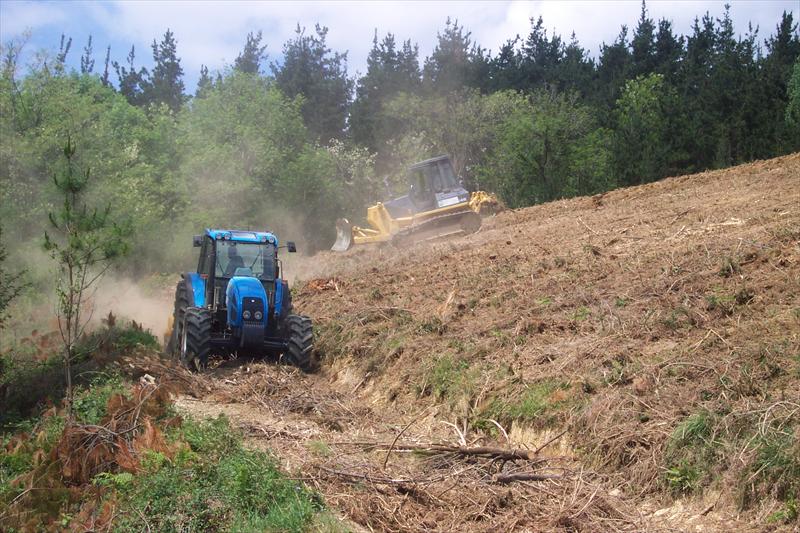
(580, 314)
(201, 478)
(334, 337)
(691, 452)
(540, 404)
(432, 325)
(451, 378)
(319, 448)
(32, 376)
(775, 468)
(678, 318)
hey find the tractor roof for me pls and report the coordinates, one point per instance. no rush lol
(242, 235)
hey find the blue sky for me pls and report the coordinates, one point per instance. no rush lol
(212, 33)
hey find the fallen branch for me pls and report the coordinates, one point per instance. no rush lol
(525, 476)
(355, 476)
(506, 454)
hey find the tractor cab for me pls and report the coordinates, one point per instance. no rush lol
(237, 301)
(228, 254)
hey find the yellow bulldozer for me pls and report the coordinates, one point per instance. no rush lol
(435, 206)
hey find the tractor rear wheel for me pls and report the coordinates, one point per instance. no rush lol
(196, 338)
(181, 303)
(301, 341)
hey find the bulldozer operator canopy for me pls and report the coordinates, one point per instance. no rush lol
(434, 175)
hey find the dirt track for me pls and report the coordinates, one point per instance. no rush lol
(639, 307)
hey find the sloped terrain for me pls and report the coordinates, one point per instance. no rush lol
(643, 345)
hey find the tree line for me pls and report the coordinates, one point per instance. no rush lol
(296, 142)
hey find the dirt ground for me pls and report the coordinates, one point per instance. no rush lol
(583, 332)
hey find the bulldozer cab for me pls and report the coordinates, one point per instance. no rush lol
(429, 178)
(436, 205)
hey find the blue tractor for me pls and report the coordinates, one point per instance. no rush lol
(237, 303)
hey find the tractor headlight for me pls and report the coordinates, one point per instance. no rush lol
(246, 315)
(258, 315)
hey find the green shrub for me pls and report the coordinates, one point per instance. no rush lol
(215, 484)
(130, 337)
(89, 403)
(682, 478)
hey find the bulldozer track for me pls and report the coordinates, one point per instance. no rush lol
(456, 221)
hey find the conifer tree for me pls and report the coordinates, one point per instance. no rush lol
(166, 85)
(133, 83)
(249, 60)
(83, 244)
(204, 84)
(456, 61)
(643, 45)
(389, 72)
(63, 51)
(87, 62)
(312, 69)
(104, 77)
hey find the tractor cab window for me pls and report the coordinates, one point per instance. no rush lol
(256, 259)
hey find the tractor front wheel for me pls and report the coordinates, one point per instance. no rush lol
(196, 338)
(301, 342)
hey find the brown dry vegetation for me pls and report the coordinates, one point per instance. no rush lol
(658, 327)
(628, 362)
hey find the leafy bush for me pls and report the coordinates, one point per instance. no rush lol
(130, 337)
(89, 404)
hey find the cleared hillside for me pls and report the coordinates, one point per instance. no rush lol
(647, 340)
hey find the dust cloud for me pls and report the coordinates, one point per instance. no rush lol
(127, 300)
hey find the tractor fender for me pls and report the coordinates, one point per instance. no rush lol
(240, 289)
(195, 288)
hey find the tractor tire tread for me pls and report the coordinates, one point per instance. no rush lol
(300, 341)
(181, 303)
(198, 338)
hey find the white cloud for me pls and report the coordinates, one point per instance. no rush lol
(16, 17)
(213, 33)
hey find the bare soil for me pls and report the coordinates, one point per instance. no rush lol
(585, 330)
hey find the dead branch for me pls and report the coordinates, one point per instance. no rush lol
(506, 454)
(525, 476)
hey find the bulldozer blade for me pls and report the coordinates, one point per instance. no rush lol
(344, 236)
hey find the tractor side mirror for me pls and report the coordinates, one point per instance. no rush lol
(197, 241)
(290, 247)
